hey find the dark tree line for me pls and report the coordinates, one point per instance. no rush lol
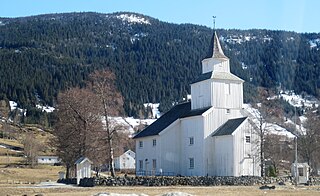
(43, 55)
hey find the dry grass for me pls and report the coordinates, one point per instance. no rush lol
(201, 191)
(5, 151)
(10, 160)
(41, 173)
(11, 142)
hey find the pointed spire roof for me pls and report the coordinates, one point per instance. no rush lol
(215, 50)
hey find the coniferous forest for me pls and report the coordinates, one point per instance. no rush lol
(153, 61)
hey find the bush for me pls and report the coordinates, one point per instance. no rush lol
(87, 182)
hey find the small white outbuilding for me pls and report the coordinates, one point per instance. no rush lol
(125, 161)
(300, 172)
(48, 159)
(83, 168)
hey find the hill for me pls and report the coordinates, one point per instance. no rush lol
(154, 61)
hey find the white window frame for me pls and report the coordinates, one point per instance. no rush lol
(191, 141)
(140, 144)
(228, 111)
(191, 163)
(248, 139)
(140, 165)
(154, 164)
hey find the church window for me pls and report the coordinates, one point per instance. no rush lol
(228, 111)
(191, 140)
(140, 164)
(247, 139)
(154, 164)
(154, 142)
(191, 163)
(140, 144)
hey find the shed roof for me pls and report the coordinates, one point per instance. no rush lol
(229, 127)
(81, 160)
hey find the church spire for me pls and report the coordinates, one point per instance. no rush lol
(215, 50)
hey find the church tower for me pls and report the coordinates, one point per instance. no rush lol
(217, 87)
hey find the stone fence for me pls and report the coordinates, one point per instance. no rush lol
(186, 181)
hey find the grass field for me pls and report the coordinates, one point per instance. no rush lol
(18, 179)
(201, 191)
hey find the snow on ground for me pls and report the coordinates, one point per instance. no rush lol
(133, 18)
(116, 194)
(155, 109)
(130, 123)
(13, 105)
(46, 108)
(271, 128)
(297, 100)
(314, 43)
(166, 194)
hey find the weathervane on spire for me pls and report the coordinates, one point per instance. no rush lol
(214, 22)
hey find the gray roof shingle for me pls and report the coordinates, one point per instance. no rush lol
(182, 110)
(229, 127)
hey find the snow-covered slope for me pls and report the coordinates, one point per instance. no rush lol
(271, 128)
(132, 18)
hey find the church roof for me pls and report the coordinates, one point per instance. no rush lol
(182, 110)
(215, 50)
(217, 75)
(229, 127)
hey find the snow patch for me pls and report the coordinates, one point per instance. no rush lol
(155, 109)
(129, 123)
(46, 108)
(132, 194)
(314, 42)
(297, 100)
(13, 105)
(131, 18)
(270, 128)
(116, 194)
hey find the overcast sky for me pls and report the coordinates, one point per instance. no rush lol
(290, 15)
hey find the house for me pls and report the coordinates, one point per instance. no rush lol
(126, 161)
(48, 160)
(210, 135)
(83, 168)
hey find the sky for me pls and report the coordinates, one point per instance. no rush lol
(290, 15)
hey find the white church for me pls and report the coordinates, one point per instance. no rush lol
(208, 136)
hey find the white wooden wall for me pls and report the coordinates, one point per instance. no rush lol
(223, 156)
(220, 65)
(192, 127)
(247, 161)
(217, 93)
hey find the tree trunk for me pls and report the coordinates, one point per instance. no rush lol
(67, 171)
(111, 163)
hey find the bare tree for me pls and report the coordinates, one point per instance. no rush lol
(103, 85)
(309, 143)
(31, 148)
(278, 151)
(77, 126)
(261, 121)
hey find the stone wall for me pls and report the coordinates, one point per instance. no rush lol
(188, 181)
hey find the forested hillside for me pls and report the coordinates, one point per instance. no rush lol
(154, 61)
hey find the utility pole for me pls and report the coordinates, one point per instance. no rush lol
(296, 147)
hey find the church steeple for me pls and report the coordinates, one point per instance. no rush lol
(215, 50)
(215, 60)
